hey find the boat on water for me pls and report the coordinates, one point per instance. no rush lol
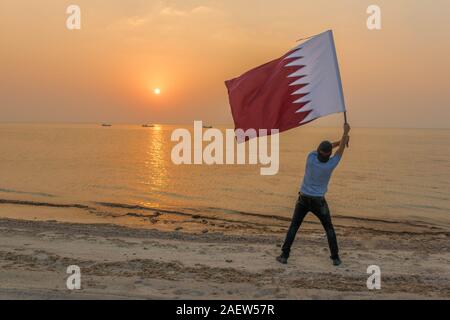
(106, 125)
(148, 126)
(207, 127)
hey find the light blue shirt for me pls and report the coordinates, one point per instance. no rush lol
(317, 175)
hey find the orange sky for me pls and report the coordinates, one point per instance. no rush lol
(106, 72)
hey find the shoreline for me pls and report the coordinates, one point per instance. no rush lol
(192, 220)
(134, 263)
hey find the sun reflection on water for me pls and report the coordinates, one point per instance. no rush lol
(155, 163)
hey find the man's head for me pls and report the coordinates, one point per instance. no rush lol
(324, 151)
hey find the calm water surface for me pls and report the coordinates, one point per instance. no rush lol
(390, 174)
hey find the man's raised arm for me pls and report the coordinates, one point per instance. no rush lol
(344, 141)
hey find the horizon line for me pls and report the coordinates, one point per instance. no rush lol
(206, 122)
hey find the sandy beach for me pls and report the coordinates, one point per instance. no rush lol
(119, 262)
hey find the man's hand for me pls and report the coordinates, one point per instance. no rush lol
(347, 129)
(346, 132)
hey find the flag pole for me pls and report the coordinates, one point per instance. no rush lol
(346, 122)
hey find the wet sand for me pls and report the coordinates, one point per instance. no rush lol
(216, 260)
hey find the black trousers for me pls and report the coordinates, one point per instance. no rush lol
(319, 207)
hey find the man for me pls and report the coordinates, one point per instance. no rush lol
(319, 167)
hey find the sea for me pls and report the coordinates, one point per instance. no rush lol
(394, 176)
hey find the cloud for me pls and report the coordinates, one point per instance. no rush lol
(202, 10)
(130, 23)
(140, 21)
(170, 11)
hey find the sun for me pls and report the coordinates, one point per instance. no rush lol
(157, 91)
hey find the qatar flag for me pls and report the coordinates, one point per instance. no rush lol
(301, 86)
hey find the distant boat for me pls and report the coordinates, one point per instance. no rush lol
(148, 126)
(106, 125)
(207, 127)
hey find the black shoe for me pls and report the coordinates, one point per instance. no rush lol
(336, 261)
(282, 259)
